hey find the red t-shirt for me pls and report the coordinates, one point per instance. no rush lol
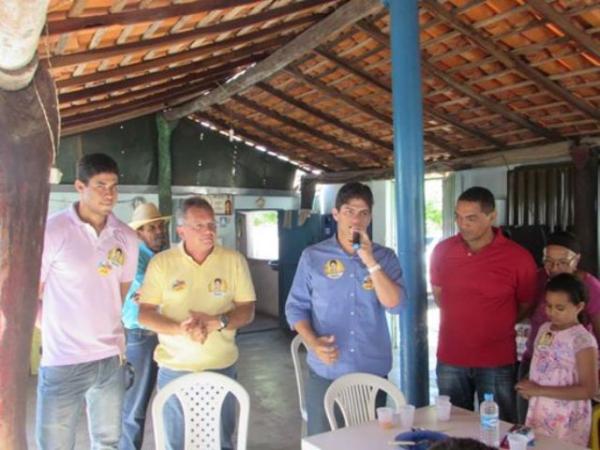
(480, 293)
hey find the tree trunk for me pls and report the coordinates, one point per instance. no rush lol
(28, 134)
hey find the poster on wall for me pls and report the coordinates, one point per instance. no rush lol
(221, 203)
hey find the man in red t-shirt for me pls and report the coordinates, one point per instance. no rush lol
(481, 281)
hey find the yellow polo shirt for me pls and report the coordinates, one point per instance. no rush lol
(177, 284)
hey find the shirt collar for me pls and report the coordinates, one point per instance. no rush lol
(111, 220)
(144, 247)
(216, 250)
(498, 239)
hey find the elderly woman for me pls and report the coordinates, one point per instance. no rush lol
(561, 255)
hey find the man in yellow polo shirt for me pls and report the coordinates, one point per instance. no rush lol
(195, 296)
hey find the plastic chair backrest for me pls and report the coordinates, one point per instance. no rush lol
(355, 395)
(295, 348)
(201, 396)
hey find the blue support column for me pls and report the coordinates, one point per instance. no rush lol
(409, 172)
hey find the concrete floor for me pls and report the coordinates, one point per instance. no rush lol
(265, 370)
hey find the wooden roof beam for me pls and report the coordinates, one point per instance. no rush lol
(561, 20)
(262, 141)
(512, 61)
(140, 15)
(77, 58)
(324, 157)
(127, 83)
(200, 83)
(361, 73)
(173, 39)
(141, 68)
(341, 18)
(498, 108)
(349, 148)
(327, 118)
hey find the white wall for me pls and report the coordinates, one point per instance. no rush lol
(226, 231)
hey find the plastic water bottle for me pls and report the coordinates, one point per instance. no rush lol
(489, 422)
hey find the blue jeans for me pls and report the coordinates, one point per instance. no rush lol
(461, 383)
(173, 413)
(315, 388)
(140, 354)
(61, 394)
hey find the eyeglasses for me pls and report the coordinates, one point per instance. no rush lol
(200, 227)
(564, 263)
(352, 212)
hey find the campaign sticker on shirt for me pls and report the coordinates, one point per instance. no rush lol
(546, 339)
(178, 285)
(367, 283)
(217, 287)
(104, 268)
(334, 269)
(116, 257)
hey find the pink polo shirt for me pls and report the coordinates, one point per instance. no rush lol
(82, 272)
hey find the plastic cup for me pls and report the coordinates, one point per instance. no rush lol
(407, 416)
(443, 411)
(385, 417)
(442, 399)
(517, 442)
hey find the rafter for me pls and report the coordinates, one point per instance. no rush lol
(258, 140)
(141, 68)
(140, 15)
(511, 61)
(561, 20)
(327, 118)
(498, 108)
(105, 52)
(128, 83)
(348, 148)
(341, 18)
(295, 143)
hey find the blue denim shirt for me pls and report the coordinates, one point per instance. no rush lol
(131, 310)
(338, 298)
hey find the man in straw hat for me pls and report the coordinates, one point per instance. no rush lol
(149, 224)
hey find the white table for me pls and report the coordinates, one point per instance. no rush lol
(369, 436)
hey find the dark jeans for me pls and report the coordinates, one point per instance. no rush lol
(140, 354)
(522, 404)
(461, 383)
(315, 388)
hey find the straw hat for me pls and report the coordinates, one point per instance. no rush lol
(145, 213)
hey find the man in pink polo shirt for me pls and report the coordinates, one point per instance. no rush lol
(480, 281)
(89, 260)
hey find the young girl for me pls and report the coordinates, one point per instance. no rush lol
(564, 370)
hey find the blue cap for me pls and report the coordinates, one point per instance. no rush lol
(488, 397)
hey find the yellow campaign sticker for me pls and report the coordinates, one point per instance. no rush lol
(104, 268)
(367, 283)
(334, 269)
(116, 257)
(217, 287)
(178, 285)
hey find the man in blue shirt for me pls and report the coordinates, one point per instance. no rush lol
(338, 301)
(149, 225)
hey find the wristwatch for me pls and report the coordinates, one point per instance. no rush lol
(223, 321)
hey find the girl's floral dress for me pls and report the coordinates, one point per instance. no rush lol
(554, 364)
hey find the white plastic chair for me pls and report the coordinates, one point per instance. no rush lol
(201, 396)
(295, 350)
(355, 396)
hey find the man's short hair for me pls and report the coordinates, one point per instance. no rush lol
(93, 164)
(352, 190)
(565, 239)
(481, 195)
(192, 202)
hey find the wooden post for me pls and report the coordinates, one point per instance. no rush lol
(165, 198)
(585, 161)
(28, 134)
